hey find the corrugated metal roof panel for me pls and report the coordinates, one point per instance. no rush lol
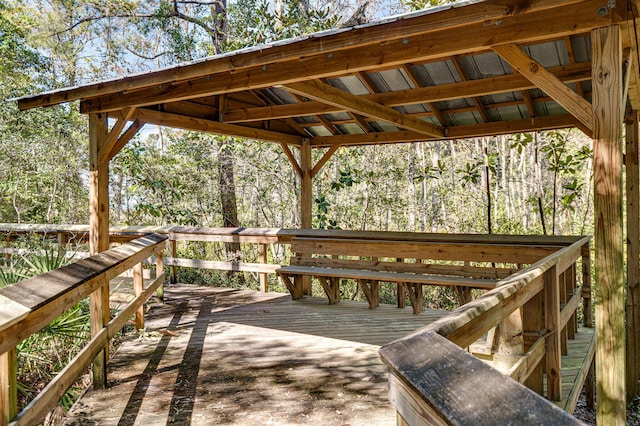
(433, 73)
(514, 112)
(485, 65)
(351, 84)
(318, 131)
(390, 80)
(338, 116)
(383, 126)
(465, 118)
(279, 96)
(581, 48)
(350, 129)
(550, 54)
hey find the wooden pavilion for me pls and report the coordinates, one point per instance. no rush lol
(464, 70)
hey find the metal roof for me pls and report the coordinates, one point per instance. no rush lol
(433, 74)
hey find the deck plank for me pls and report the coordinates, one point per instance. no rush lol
(242, 357)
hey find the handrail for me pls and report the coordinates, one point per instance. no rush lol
(418, 380)
(31, 304)
(536, 246)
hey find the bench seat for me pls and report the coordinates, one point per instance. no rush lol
(368, 280)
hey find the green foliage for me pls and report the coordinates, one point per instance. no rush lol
(43, 354)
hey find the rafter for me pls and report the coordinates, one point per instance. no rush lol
(112, 137)
(323, 160)
(328, 94)
(209, 126)
(292, 159)
(457, 132)
(354, 38)
(125, 138)
(550, 84)
(466, 89)
(522, 28)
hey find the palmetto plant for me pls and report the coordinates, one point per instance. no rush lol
(43, 354)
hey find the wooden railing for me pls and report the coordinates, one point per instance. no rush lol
(435, 380)
(28, 306)
(524, 324)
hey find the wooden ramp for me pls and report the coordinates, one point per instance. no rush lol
(221, 356)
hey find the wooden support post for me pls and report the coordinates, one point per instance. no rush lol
(510, 345)
(533, 325)
(306, 197)
(8, 386)
(633, 255)
(552, 320)
(63, 240)
(262, 257)
(159, 272)
(587, 306)
(98, 235)
(138, 286)
(401, 291)
(607, 92)
(563, 299)
(174, 254)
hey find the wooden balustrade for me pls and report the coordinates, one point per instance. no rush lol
(435, 385)
(526, 320)
(31, 304)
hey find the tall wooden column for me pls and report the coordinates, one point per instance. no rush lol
(607, 164)
(306, 195)
(98, 234)
(633, 255)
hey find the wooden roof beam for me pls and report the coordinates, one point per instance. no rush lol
(208, 126)
(457, 132)
(325, 93)
(479, 13)
(524, 28)
(549, 83)
(465, 89)
(125, 138)
(111, 139)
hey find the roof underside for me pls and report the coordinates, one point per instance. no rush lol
(466, 70)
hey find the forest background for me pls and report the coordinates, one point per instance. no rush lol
(517, 184)
(538, 183)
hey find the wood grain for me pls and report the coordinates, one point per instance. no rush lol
(607, 165)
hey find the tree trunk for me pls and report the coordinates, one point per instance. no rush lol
(228, 195)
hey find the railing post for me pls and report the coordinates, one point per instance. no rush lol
(99, 309)
(8, 386)
(138, 286)
(562, 288)
(533, 326)
(159, 272)
(174, 254)
(552, 321)
(586, 286)
(63, 239)
(262, 256)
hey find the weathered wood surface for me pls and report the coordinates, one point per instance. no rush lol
(476, 252)
(66, 288)
(451, 380)
(439, 280)
(270, 235)
(632, 182)
(609, 262)
(400, 266)
(243, 357)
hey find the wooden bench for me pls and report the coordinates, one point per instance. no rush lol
(409, 277)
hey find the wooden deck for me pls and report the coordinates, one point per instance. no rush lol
(222, 356)
(243, 357)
